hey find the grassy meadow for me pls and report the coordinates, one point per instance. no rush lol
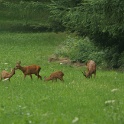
(24, 16)
(76, 101)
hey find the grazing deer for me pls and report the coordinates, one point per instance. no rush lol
(7, 75)
(55, 76)
(91, 69)
(29, 70)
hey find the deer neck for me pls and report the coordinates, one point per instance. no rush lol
(88, 74)
(23, 69)
(47, 79)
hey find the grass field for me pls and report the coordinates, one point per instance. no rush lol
(78, 100)
(24, 16)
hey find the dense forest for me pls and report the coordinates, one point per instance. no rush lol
(102, 21)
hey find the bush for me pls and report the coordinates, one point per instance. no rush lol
(112, 57)
(82, 49)
(121, 61)
(78, 49)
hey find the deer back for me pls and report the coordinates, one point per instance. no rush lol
(4, 74)
(91, 66)
(57, 74)
(32, 69)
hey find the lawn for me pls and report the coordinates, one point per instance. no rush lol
(78, 100)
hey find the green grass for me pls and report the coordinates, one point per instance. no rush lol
(78, 100)
(24, 16)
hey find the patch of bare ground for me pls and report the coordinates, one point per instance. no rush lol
(65, 61)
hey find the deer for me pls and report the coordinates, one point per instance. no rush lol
(91, 69)
(7, 75)
(29, 70)
(54, 76)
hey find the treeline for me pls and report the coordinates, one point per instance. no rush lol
(27, 0)
(100, 20)
(24, 16)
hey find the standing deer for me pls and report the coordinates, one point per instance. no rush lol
(7, 75)
(54, 76)
(91, 69)
(29, 70)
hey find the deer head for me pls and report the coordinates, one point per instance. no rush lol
(18, 65)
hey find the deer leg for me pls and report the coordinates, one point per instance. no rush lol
(24, 76)
(91, 76)
(61, 79)
(39, 77)
(94, 74)
(56, 79)
(31, 76)
(52, 79)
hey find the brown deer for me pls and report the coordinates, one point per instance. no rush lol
(54, 76)
(91, 69)
(29, 70)
(7, 75)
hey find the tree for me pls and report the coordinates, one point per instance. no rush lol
(101, 20)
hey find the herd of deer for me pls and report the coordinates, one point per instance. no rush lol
(35, 69)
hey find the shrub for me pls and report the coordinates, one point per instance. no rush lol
(121, 61)
(78, 49)
(112, 57)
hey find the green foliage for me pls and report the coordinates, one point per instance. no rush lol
(91, 17)
(121, 61)
(59, 12)
(112, 57)
(101, 20)
(78, 49)
(43, 1)
(29, 16)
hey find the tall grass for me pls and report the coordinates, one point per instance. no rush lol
(24, 16)
(78, 100)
